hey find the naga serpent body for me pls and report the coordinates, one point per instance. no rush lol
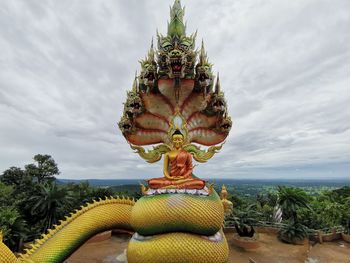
(71, 233)
(174, 227)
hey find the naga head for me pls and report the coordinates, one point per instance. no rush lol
(204, 75)
(218, 103)
(133, 105)
(125, 125)
(175, 61)
(148, 75)
(225, 124)
(176, 55)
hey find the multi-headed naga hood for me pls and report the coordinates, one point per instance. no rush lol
(175, 90)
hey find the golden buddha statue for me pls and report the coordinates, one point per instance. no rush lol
(177, 168)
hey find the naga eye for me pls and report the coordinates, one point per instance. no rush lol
(184, 47)
(167, 48)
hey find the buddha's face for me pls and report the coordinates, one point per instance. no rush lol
(178, 141)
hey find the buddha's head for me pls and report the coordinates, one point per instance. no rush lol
(177, 139)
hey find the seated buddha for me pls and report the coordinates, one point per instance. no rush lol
(177, 168)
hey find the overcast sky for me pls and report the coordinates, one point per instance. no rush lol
(284, 67)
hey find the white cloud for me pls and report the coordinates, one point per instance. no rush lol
(284, 67)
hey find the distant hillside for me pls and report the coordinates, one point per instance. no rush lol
(241, 187)
(102, 182)
(219, 182)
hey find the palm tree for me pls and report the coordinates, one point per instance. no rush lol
(48, 203)
(290, 200)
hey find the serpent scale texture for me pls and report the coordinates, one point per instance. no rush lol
(178, 211)
(67, 237)
(177, 248)
(164, 213)
(175, 229)
(6, 254)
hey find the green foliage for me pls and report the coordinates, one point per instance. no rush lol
(266, 212)
(291, 200)
(236, 201)
(13, 176)
(329, 209)
(293, 232)
(127, 190)
(11, 223)
(244, 219)
(44, 168)
(265, 205)
(5, 192)
(31, 200)
(48, 202)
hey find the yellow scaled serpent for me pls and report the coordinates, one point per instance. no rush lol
(170, 226)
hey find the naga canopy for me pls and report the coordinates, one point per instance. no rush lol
(175, 90)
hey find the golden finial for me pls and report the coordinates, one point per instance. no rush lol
(211, 189)
(223, 194)
(1, 236)
(227, 204)
(143, 189)
(217, 86)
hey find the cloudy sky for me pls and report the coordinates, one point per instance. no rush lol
(284, 67)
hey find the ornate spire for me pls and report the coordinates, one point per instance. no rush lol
(176, 26)
(151, 53)
(202, 55)
(217, 86)
(134, 85)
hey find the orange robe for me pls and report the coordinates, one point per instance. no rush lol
(180, 166)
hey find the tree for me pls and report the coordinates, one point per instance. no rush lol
(13, 176)
(44, 169)
(102, 193)
(291, 200)
(81, 193)
(11, 223)
(47, 204)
